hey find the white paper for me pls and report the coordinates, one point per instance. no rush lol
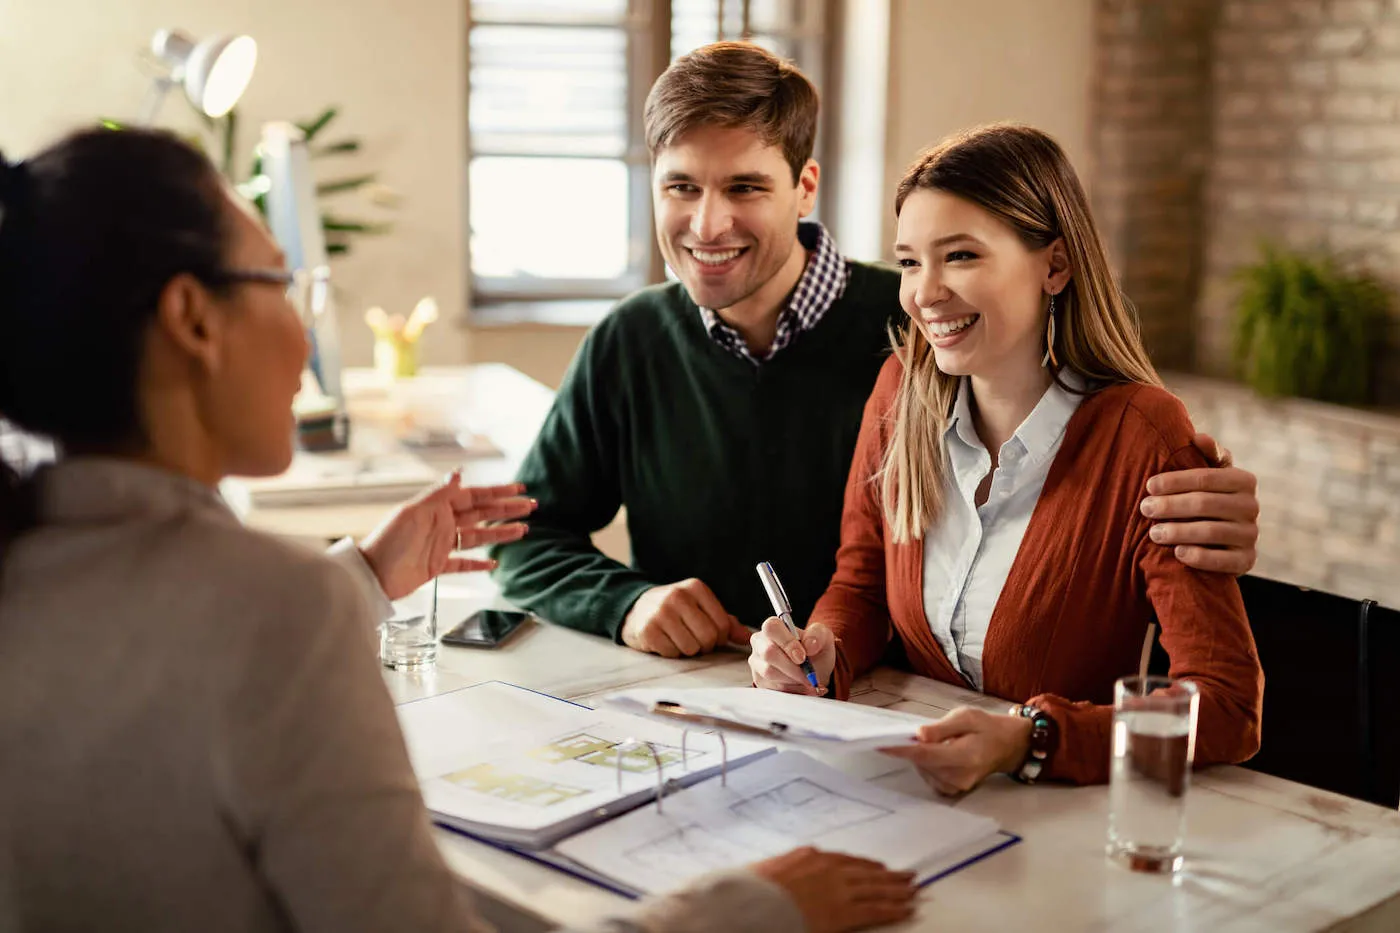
(769, 807)
(817, 720)
(497, 755)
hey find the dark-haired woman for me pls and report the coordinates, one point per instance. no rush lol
(193, 733)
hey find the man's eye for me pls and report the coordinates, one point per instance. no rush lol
(682, 188)
(744, 189)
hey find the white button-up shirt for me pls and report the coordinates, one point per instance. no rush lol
(968, 551)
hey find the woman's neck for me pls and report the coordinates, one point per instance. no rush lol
(1000, 404)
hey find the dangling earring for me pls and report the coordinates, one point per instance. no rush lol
(1049, 359)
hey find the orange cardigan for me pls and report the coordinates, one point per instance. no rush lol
(1082, 589)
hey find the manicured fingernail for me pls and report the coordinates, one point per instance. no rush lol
(1149, 506)
(534, 503)
(1157, 532)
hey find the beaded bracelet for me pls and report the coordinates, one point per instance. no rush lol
(1045, 734)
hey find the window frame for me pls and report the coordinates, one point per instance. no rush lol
(647, 26)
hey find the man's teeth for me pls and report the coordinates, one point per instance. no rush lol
(715, 258)
(948, 328)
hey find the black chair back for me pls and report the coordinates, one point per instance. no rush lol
(1331, 689)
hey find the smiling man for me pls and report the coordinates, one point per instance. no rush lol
(722, 410)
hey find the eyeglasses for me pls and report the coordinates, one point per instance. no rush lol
(307, 289)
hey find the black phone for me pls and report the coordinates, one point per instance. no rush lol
(486, 628)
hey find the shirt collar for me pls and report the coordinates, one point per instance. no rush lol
(823, 281)
(100, 490)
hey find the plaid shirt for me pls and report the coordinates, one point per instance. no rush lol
(23, 452)
(821, 284)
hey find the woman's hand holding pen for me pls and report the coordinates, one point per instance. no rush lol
(777, 657)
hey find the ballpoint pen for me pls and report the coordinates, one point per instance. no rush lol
(783, 610)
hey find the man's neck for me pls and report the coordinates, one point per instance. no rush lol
(756, 317)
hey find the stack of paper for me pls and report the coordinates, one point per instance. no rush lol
(515, 766)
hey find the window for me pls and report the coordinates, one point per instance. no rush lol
(558, 182)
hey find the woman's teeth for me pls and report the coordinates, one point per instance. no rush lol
(715, 258)
(948, 328)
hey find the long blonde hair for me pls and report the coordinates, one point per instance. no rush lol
(1021, 176)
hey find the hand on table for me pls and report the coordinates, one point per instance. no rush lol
(836, 893)
(415, 542)
(680, 619)
(777, 657)
(957, 752)
(1210, 516)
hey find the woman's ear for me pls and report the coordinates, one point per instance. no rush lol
(187, 319)
(1059, 271)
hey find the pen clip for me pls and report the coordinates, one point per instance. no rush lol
(776, 594)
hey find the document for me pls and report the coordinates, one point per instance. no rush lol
(789, 717)
(515, 766)
(769, 807)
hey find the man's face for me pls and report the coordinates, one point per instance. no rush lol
(727, 211)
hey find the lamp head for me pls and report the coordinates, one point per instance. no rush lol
(214, 72)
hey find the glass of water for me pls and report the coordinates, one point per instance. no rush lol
(410, 643)
(1154, 743)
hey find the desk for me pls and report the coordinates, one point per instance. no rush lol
(491, 399)
(1262, 853)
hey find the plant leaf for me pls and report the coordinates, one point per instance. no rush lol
(344, 184)
(318, 124)
(337, 148)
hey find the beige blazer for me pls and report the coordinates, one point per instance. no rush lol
(195, 734)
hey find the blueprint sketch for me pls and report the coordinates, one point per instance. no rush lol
(804, 807)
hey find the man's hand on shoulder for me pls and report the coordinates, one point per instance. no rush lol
(1209, 516)
(680, 619)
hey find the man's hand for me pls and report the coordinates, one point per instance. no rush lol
(678, 619)
(415, 542)
(1210, 516)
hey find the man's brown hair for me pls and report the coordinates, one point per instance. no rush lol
(735, 85)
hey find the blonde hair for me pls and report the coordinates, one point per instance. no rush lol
(1021, 176)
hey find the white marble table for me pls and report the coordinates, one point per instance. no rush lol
(1263, 854)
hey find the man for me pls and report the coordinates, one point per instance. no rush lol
(722, 410)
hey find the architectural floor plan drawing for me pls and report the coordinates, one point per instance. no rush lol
(804, 807)
(689, 850)
(517, 788)
(586, 748)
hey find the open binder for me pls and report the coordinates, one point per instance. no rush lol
(638, 806)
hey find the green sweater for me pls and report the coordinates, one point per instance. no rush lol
(721, 464)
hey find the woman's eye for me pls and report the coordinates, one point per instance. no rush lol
(960, 255)
(907, 263)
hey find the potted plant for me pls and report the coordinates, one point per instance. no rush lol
(1308, 326)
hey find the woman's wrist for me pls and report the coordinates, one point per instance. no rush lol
(1019, 744)
(1042, 738)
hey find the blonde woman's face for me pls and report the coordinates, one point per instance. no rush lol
(972, 287)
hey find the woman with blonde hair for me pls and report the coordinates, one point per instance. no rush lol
(991, 522)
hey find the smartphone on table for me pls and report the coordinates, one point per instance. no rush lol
(486, 628)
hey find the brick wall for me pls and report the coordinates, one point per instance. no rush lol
(1306, 149)
(1329, 485)
(1150, 138)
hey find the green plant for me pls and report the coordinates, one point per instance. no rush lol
(1307, 326)
(338, 229)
